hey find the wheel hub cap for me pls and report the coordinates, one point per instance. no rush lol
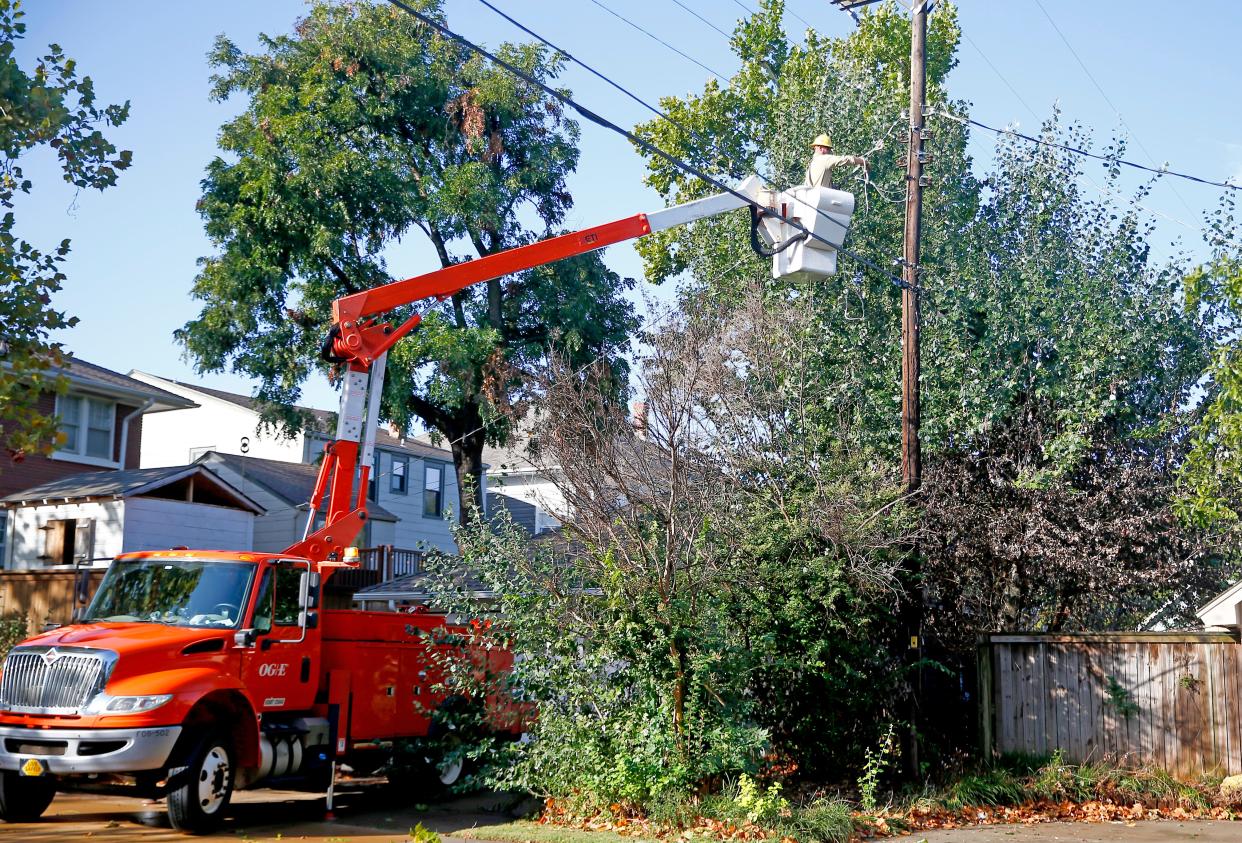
(213, 780)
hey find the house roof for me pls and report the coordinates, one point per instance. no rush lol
(413, 587)
(89, 377)
(1223, 609)
(136, 482)
(514, 458)
(522, 513)
(324, 421)
(291, 482)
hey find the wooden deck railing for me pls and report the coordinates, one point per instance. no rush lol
(391, 562)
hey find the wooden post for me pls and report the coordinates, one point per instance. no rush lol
(984, 691)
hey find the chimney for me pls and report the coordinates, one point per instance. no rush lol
(396, 431)
(638, 418)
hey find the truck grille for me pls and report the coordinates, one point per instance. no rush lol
(53, 680)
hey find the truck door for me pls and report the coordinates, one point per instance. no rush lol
(282, 670)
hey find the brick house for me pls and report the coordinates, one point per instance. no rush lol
(101, 417)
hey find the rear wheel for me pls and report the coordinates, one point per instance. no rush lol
(24, 798)
(197, 806)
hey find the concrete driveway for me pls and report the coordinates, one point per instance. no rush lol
(259, 815)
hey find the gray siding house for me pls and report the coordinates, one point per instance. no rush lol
(414, 485)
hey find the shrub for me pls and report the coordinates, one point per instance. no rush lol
(13, 630)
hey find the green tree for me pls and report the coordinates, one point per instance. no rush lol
(1212, 476)
(48, 106)
(1064, 360)
(1057, 352)
(363, 127)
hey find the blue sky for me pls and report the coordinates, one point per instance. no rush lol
(1169, 72)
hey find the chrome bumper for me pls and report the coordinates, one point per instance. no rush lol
(65, 751)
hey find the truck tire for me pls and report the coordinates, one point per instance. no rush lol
(24, 798)
(198, 804)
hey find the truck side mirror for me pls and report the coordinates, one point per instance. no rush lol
(308, 598)
(244, 637)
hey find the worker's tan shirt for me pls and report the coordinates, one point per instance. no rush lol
(819, 174)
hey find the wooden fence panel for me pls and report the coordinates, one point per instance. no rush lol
(43, 597)
(1172, 700)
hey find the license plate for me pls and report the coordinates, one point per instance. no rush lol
(33, 767)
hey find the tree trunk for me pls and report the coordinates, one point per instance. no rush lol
(679, 691)
(467, 447)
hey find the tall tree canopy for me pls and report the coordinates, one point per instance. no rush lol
(46, 106)
(1058, 354)
(360, 128)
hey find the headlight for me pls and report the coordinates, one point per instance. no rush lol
(108, 704)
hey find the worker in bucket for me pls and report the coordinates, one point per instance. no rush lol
(819, 173)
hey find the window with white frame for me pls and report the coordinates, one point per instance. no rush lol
(397, 475)
(88, 425)
(433, 489)
(373, 477)
(4, 532)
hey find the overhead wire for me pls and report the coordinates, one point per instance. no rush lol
(705, 142)
(731, 168)
(750, 11)
(1098, 87)
(445, 32)
(1088, 154)
(651, 148)
(1033, 114)
(703, 19)
(655, 37)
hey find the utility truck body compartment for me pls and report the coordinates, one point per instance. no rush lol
(395, 669)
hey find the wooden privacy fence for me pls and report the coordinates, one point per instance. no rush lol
(43, 596)
(1173, 700)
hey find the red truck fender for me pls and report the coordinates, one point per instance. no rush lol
(229, 710)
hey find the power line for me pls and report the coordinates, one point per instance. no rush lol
(653, 37)
(652, 148)
(705, 20)
(607, 124)
(731, 167)
(999, 75)
(1088, 154)
(788, 11)
(1115, 109)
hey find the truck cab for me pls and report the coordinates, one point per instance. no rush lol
(178, 649)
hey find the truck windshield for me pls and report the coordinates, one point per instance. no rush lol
(179, 592)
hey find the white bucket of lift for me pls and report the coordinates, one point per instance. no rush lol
(826, 214)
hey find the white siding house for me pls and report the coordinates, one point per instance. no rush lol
(513, 475)
(91, 517)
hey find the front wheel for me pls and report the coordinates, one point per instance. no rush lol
(197, 805)
(24, 798)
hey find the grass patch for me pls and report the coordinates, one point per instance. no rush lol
(1024, 779)
(525, 831)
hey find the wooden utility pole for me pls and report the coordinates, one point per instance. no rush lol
(911, 459)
